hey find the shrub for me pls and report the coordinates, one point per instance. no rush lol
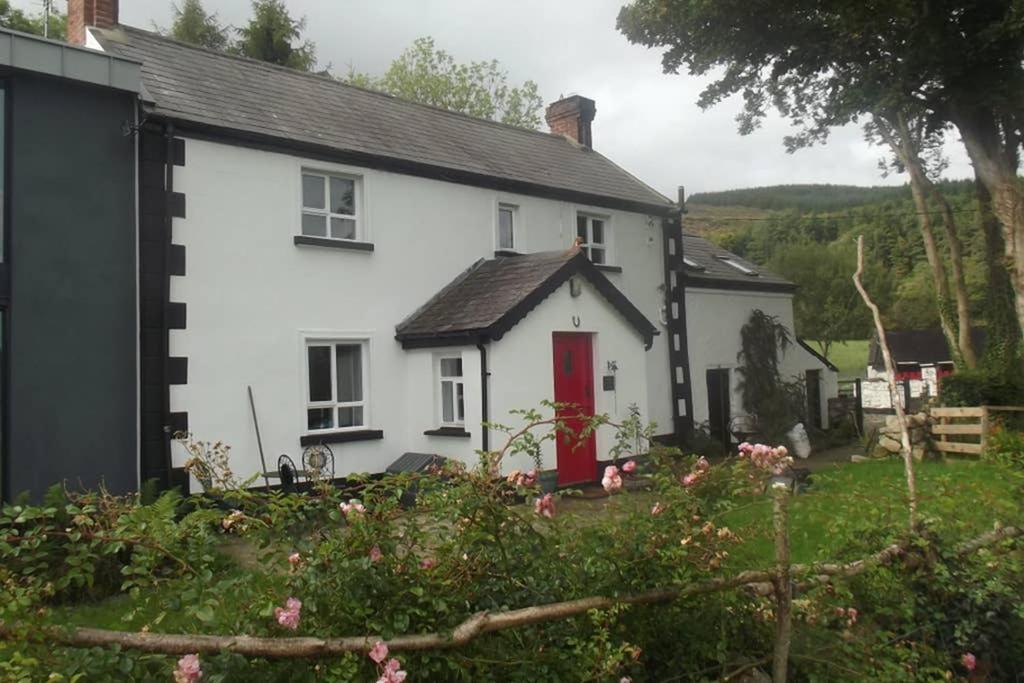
(982, 387)
(1005, 447)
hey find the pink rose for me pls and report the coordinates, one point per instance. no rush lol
(392, 672)
(352, 506)
(188, 670)
(657, 509)
(379, 652)
(530, 478)
(428, 563)
(288, 616)
(294, 559)
(625, 679)
(545, 507)
(702, 464)
(690, 479)
(969, 661)
(611, 481)
(375, 554)
(851, 615)
(629, 466)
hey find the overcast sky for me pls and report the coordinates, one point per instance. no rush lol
(647, 121)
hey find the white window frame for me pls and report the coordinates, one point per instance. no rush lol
(334, 404)
(357, 199)
(456, 381)
(516, 232)
(588, 245)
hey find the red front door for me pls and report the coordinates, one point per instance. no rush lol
(574, 385)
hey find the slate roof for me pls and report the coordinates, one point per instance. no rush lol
(212, 90)
(714, 273)
(922, 347)
(490, 297)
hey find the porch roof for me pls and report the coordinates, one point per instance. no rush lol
(492, 295)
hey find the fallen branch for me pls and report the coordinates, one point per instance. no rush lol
(468, 630)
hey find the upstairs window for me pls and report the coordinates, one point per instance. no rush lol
(508, 217)
(453, 408)
(336, 395)
(592, 233)
(330, 206)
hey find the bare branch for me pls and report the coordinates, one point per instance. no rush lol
(890, 374)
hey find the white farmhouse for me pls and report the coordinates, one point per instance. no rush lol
(388, 277)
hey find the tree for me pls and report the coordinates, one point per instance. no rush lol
(424, 73)
(193, 25)
(16, 20)
(271, 36)
(913, 145)
(824, 307)
(824, 63)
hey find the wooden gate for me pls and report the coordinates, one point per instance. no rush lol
(964, 430)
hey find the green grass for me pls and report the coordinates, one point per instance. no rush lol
(851, 357)
(962, 497)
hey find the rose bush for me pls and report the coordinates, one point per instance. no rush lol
(363, 560)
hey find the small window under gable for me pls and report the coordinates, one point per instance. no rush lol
(330, 206)
(592, 236)
(508, 225)
(738, 266)
(452, 392)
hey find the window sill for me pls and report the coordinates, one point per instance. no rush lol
(507, 252)
(341, 436)
(351, 245)
(448, 431)
(607, 268)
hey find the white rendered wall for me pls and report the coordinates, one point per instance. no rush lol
(713, 320)
(522, 365)
(252, 295)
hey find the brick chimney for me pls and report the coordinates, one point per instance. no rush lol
(571, 116)
(83, 13)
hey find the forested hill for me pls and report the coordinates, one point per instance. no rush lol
(801, 197)
(807, 233)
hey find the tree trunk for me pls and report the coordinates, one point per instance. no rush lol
(903, 146)
(956, 263)
(1002, 344)
(995, 164)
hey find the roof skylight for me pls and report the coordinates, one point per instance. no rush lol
(690, 263)
(738, 266)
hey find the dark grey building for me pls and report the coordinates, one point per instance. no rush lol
(68, 276)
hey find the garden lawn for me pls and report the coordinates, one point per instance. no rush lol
(963, 497)
(851, 357)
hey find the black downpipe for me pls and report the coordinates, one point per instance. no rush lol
(485, 441)
(165, 297)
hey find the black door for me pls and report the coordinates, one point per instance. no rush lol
(718, 405)
(813, 380)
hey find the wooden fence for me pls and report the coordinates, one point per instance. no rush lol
(964, 430)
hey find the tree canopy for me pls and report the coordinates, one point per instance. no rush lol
(193, 25)
(17, 20)
(825, 63)
(272, 35)
(424, 73)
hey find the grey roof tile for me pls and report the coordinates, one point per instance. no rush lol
(203, 87)
(713, 270)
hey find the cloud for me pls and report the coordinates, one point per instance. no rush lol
(647, 121)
